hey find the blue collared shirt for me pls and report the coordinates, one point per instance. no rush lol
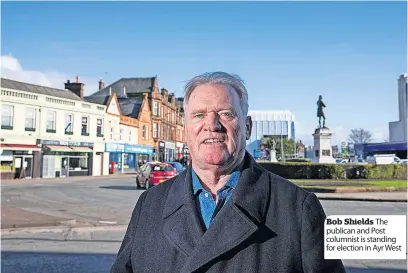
(208, 207)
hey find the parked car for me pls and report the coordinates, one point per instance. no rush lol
(178, 166)
(403, 161)
(152, 174)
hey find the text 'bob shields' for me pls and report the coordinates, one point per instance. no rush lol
(349, 221)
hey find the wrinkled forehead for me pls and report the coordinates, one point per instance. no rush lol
(213, 96)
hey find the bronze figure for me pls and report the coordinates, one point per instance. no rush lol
(320, 112)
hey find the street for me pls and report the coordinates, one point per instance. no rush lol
(94, 203)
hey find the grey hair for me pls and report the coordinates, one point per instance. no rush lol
(223, 78)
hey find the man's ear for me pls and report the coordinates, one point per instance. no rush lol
(248, 127)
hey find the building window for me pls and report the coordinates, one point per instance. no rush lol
(51, 121)
(30, 119)
(69, 119)
(155, 108)
(130, 136)
(85, 126)
(7, 114)
(154, 129)
(99, 127)
(144, 132)
(111, 133)
(120, 134)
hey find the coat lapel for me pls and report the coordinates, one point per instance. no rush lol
(182, 226)
(236, 222)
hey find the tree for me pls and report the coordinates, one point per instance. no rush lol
(359, 136)
(288, 145)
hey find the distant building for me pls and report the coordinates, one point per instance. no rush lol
(270, 123)
(398, 129)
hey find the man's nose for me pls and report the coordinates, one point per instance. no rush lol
(213, 123)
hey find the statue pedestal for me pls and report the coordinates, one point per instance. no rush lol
(273, 156)
(323, 146)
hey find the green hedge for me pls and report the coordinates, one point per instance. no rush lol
(298, 160)
(298, 170)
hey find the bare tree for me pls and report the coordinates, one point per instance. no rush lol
(359, 136)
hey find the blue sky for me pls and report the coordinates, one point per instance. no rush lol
(288, 53)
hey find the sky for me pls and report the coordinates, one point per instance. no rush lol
(288, 53)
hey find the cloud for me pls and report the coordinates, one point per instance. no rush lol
(11, 68)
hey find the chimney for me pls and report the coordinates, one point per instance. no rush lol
(101, 84)
(75, 87)
(110, 91)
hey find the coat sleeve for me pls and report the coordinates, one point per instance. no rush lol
(312, 239)
(122, 263)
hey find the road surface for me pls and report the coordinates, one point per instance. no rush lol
(111, 200)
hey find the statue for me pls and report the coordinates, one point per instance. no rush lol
(273, 145)
(320, 112)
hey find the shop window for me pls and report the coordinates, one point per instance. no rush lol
(7, 117)
(78, 163)
(6, 161)
(99, 127)
(85, 126)
(51, 121)
(30, 119)
(129, 161)
(69, 119)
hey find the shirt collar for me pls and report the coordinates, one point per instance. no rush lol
(231, 183)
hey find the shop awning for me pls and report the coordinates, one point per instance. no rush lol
(81, 149)
(19, 147)
(58, 148)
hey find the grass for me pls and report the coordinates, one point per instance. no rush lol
(351, 183)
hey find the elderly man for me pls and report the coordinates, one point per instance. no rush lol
(224, 213)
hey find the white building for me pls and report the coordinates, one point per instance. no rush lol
(48, 132)
(270, 123)
(398, 129)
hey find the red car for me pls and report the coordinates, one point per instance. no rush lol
(154, 173)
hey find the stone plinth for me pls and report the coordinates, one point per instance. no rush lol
(273, 156)
(323, 146)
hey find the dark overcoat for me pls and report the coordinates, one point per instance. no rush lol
(269, 225)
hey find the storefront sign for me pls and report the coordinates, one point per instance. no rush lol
(114, 147)
(66, 143)
(161, 144)
(138, 149)
(170, 145)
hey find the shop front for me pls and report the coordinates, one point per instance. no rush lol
(162, 151)
(115, 151)
(19, 161)
(170, 151)
(135, 156)
(179, 152)
(66, 158)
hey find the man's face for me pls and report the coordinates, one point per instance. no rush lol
(215, 126)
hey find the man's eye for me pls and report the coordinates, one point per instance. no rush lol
(227, 114)
(198, 116)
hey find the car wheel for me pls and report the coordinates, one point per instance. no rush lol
(137, 182)
(147, 185)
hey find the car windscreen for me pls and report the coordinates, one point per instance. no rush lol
(162, 168)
